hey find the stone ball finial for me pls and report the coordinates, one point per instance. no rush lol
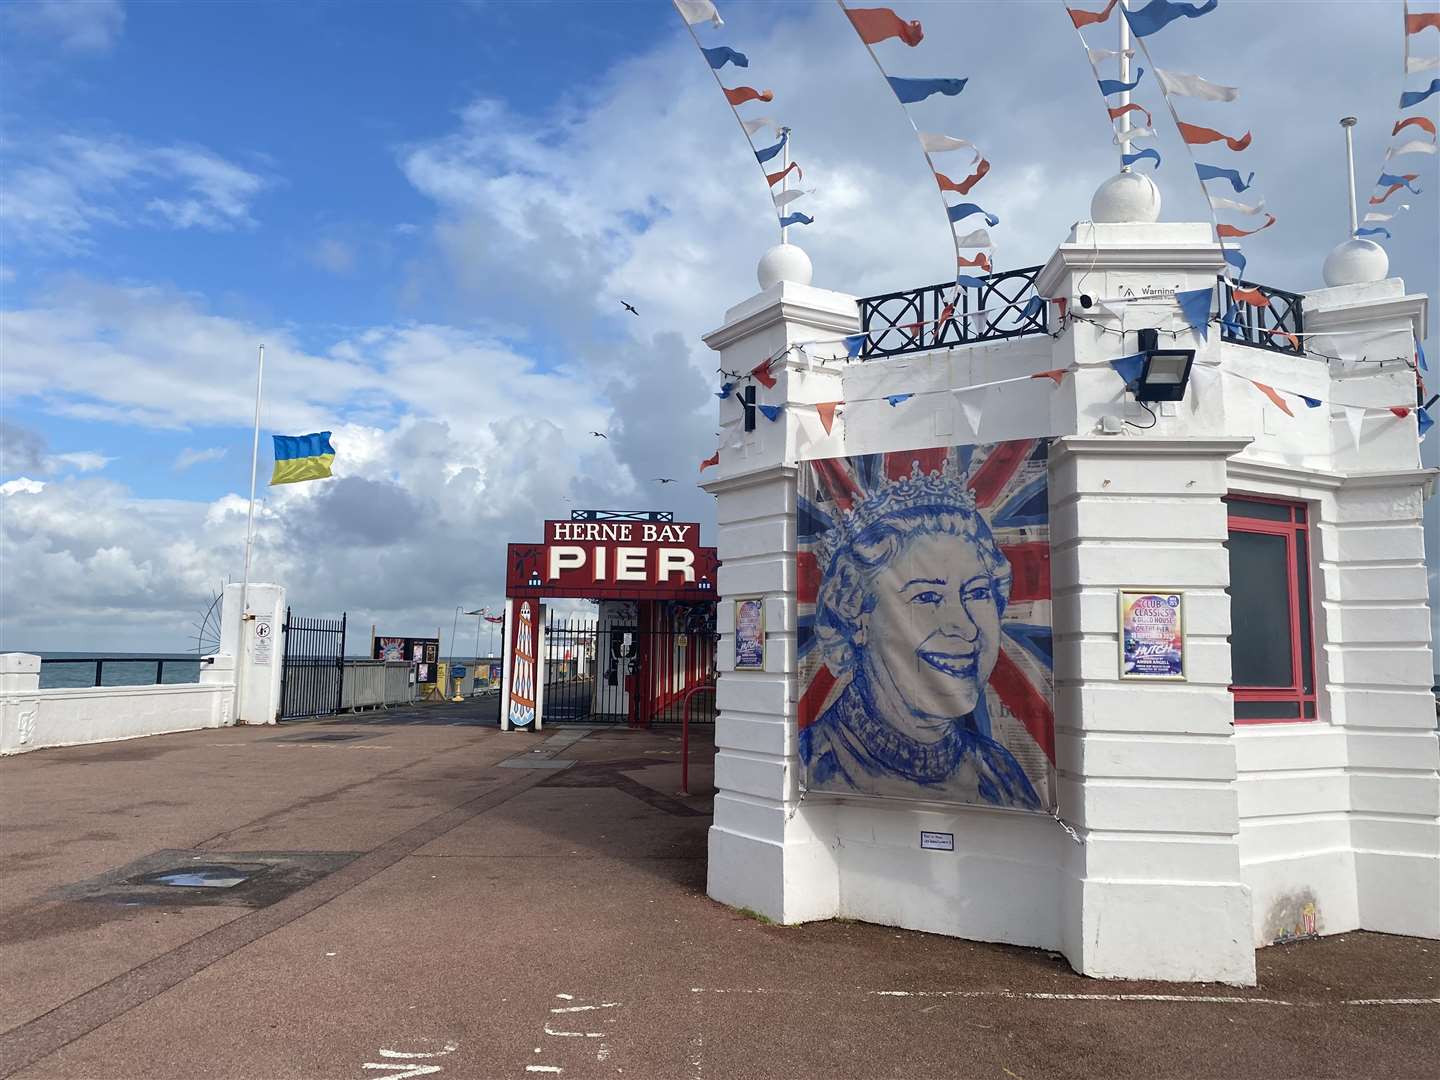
(784, 262)
(1126, 196)
(1352, 262)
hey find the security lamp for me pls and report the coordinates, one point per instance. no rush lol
(1166, 372)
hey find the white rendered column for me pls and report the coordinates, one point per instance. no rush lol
(769, 851)
(19, 701)
(257, 666)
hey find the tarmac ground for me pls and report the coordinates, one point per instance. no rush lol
(414, 893)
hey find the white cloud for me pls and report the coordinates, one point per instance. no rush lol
(22, 485)
(189, 458)
(88, 26)
(77, 461)
(60, 190)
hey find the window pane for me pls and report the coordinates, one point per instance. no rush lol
(1302, 587)
(1309, 710)
(1260, 648)
(1267, 710)
(1264, 510)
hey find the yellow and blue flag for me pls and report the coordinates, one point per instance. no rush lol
(302, 457)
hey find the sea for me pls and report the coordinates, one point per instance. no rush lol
(68, 670)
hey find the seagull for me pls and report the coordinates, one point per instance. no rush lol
(600, 435)
(629, 308)
(664, 479)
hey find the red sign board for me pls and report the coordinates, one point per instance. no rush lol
(650, 560)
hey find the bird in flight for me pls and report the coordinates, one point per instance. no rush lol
(600, 435)
(629, 308)
(664, 479)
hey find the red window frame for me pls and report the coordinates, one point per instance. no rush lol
(1294, 528)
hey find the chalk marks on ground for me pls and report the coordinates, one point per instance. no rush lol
(396, 1064)
(575, 1025)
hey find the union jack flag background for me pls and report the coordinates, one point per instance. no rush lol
(1008, 482)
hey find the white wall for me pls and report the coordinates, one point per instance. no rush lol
(262, 666)
(1200, 839)
(32, 719)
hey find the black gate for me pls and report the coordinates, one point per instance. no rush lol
(313, 679)
(637, 670)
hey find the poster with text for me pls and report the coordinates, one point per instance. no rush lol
(749, 634)
(924, 632)
(1152, 634)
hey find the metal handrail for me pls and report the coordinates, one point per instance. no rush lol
(910, 320)
(685, 736)
(101, 661)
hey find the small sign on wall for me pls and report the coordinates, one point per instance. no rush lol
(264, 641)
(1152, 634)
(749, 634)
(937, 841)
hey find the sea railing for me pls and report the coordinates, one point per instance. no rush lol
(72, 672)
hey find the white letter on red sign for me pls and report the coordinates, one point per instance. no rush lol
(677, 560)
(565, 557)
(599, 568)
(630, 564)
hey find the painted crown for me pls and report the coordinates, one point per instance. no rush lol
(947, 487)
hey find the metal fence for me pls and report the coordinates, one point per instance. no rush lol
(374, 684)
(633, 674)
(75, 672)
(1278, 326)
(313, 680)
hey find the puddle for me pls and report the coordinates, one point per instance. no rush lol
(204, 877)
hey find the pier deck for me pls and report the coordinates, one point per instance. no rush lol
(418, 883)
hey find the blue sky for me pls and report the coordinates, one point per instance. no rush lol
(429, 213)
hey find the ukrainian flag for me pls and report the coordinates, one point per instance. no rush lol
(302, 457)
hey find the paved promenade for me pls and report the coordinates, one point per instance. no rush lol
(417, 894)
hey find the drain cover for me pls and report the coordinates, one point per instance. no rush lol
(204, 877)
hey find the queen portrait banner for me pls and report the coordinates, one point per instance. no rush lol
(926, 665)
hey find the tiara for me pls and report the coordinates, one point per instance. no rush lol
(948, 485)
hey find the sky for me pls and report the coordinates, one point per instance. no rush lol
(429, 214)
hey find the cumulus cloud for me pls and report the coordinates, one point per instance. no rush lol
(92, 26)
(60, 190)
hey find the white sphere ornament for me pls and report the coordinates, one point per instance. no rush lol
(784, 262)
(1352, 262)
(1126, 196)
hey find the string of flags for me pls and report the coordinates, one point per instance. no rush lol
(1415, 128)
(877, 26)
(1144, 22)
(1110, 87)
(718, 57)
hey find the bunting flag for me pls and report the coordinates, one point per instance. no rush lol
(1401, 411)
(826, 410)
(1120, 110)
(797, 218)
(794, 167)
(761, 374)
(770, 151)
(1376, 200)
(1415, 64)
(909, 91)
(1231, 320)
(969, 281)
(1424, 421)
(853, 344)
(1220, 202)
(979, 238)
(783, 198)
(1415, 146)
(1420, 356)
(696, 12)
(1140, 155)
(1355, 421)
(896, 399)
(1420, 20)
(1179, 84)
(721, 55)
(713, 459)
(1133, 134)
(1254, 297)
(1055, 375)
(1411, 98)
(1195, 307)
(1377, 230)
(964, 186)
(1196, 135)
(1232, 232)
(699, 11)
(1235, 258)
(1375, 215)
(1115, 86)
(1158, 14)
(1082, 19)
(940, 144)
(1099, 56)
(1033, 307)
(1422, 122)
(771, 412)
(725, 389)
(875, 25)
(963, 210)
(1215, 172)
(1130, 368)
(1311, 402)
(1270, 392)
(981, 260)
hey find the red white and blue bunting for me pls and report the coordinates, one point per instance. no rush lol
(702, 13)
(1415, 129)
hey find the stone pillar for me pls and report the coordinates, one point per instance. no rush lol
(258, 645)
(769, 851)
(1147, 769)
(19, 701)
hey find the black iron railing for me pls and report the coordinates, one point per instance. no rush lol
(80, 671)
(917, 319)
(1277, 326)
(313, 680)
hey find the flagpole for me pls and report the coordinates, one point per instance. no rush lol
(784, 185)
(249, 543)
(1124, 94)
(1348, 123)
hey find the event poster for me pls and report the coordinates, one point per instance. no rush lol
(1152, 634)
(750, 634)
(924, 632)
